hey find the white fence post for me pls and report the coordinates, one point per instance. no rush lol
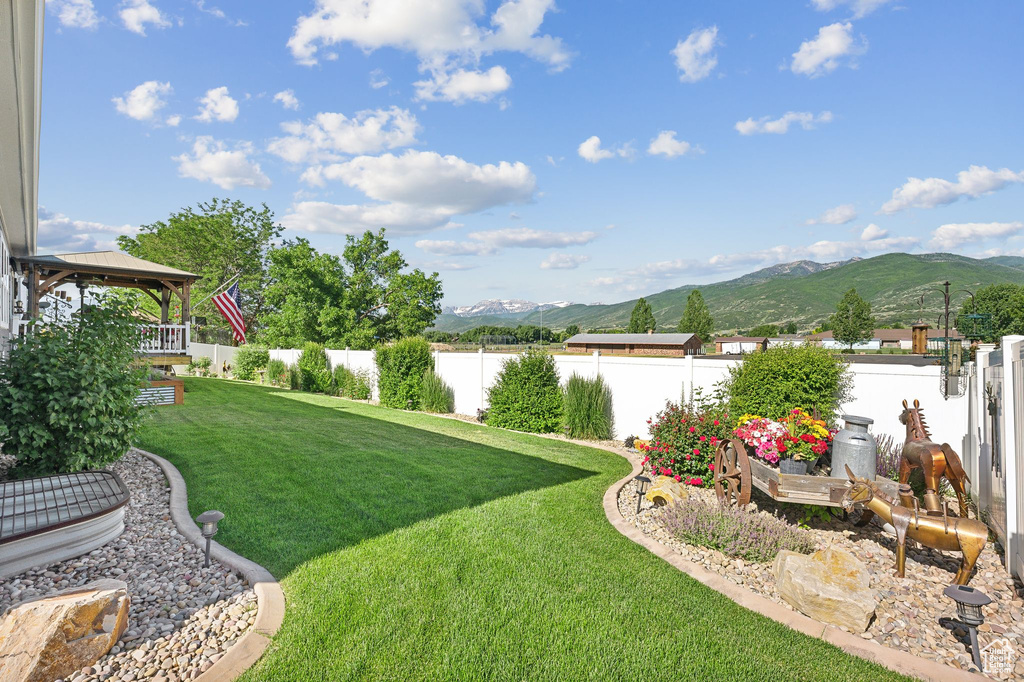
(348, 362)
(1011, 346)
(481, 352)
(216, 358)
(597, 363)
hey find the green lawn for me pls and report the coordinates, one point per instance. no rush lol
(417, 548)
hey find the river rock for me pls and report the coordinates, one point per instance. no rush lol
(53, 637)
(665, 491)
(831, 586)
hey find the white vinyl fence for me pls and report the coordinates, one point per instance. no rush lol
(641, 385)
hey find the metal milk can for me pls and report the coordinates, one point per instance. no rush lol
(854, 447)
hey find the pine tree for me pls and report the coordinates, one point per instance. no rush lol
(642, 319)
(696, 318)
(852, 322)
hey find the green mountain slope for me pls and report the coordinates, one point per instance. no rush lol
(805, 292)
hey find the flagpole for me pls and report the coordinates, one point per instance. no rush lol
(218, 290)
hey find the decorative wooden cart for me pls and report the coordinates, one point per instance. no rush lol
(736, 474)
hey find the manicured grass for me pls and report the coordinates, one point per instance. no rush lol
(412, 547)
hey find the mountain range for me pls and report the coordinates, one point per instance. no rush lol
(496, 306)
(804, 291)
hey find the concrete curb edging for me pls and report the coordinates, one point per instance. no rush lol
(269, 596)
(893, 659)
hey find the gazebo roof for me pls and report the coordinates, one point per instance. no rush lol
(110, 263)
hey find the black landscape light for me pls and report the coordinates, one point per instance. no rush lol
(208, 520)
(642, 485)
(968, 609)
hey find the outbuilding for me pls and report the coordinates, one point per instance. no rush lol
(637, 344)
(736, 345)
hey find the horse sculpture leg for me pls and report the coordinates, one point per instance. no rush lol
(901, 521)
(932, 467)
(905, 469)
(971, 548)
(956, 476)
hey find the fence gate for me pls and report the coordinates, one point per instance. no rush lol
(992, 480)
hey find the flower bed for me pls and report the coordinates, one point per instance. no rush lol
(683, 442)
(798, 436)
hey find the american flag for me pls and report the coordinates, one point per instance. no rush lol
(229, 303)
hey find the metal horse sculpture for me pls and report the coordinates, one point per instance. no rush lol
(934, 460)
(946, 533)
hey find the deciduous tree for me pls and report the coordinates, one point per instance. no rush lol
(642, 318)
(852, 322)
(696, 317)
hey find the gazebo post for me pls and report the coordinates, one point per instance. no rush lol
(165, 304)
(186, 303)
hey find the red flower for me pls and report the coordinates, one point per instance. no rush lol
(688, 457)
(678, 478)
(716, 422)
(692, 429)
(703, 438)
(696, 451)
(711, 467)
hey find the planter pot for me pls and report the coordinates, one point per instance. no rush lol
(793, 466)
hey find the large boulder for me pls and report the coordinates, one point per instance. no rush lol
(51, 637)
(666, 490)
(831, 586)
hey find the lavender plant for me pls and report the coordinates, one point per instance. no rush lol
(733, 531)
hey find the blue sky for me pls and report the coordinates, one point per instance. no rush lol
(581, 151)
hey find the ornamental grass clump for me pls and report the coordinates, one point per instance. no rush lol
(436, 396)
(587, 408)
(733, 531)
(526, 395)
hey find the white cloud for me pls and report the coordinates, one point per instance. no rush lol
(378, 80)
(74, 13)
(489, 242)
(217, 105)
(840, 215)
(464, 85)
(780, 126)
(932, 192)
(287, 99)
(418, 191)
(668, 146)
(59, 233)
(951, 235)
(607, 282)
(694, 57)
(822, 54)
(861, 8)
(444, 34)
(217, 12)
(143, 101)
(873, 232)
(173, 120)
(135, 14)
(329, 134)
(590, 149)
(431, 180)
(212, 161)
(563, 261)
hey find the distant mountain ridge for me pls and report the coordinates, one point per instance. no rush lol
(804, 292)
(497, 306)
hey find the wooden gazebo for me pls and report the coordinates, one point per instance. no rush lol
(167, 341)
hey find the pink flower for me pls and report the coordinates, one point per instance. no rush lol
(703, 438)
(696, 451)
(678, 478)
(711, 467)
(716, 422)
(692, 429)
(688, 457)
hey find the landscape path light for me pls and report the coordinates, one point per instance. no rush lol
(208, 521)
(968, 609)
(642, 484)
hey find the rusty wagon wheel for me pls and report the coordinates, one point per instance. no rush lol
(732, 473)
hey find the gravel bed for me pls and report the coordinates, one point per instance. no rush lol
(182, 617)
(912, 613)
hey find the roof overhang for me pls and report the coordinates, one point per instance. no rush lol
(107, 268)
(21, 61)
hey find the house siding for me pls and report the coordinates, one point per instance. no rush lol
(692, 347)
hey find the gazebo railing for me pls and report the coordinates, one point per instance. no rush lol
(166, 338)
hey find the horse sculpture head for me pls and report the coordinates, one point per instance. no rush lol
(913, 419)
(905, 414)
(858, 493)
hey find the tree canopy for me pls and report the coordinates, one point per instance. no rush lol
(216, 240)
(356, 301)
(1005, 304)
(852, 322)
(642, 318)
(696, 317)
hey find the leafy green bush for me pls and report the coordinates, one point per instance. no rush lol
(200, 367)
(400, 368)
(68, 390)
(349, 384)
(249, 360)
(772, 382)
(314, 369)
(277, 373)
(294, 377)
(526, 395)
(436, 395)
(587, 409)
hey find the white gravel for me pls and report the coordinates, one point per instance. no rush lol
(909, 610)
(182, 617)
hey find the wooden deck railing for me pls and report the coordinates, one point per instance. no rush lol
(166, 338)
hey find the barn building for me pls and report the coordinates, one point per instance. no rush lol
(637, 344)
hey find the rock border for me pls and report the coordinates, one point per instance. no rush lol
(893, 659)
(270, 603)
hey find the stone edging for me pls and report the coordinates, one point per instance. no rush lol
(893, 659)
(269, 596)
